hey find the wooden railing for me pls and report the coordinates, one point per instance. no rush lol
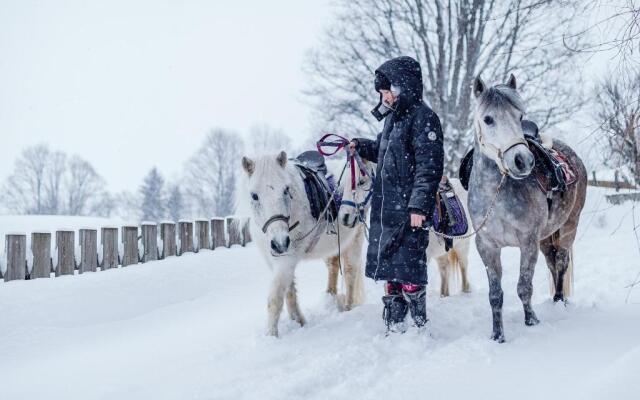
(138, 244)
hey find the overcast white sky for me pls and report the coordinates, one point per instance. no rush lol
(132, 84)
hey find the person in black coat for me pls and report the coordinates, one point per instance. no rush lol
(409, 155)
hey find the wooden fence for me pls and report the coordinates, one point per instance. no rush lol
(146, 243)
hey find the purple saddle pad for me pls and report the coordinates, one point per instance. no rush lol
(449, 216)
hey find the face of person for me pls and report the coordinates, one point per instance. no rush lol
(388, 98)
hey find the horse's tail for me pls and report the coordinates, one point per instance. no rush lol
(454, 269)
(567, 284)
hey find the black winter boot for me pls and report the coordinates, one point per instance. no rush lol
(417, 305)
(394, 312)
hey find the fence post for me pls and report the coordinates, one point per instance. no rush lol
(217, 233)
(595, 181)
(16, 257)
(234, 230)
(65, 245)
(246, 232)
(202, 235)
(130, 241)
(88, 250)
(185, 229)
(109, 240)
(168, 236)
(41, 250)
(149, 241)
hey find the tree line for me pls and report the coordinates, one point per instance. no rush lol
(50, 182)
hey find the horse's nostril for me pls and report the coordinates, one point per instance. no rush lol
(520, 163)
(287, 242)
(275, 247)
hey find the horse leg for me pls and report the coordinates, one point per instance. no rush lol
(443, 267)
(462, 256)
(292, 304)
(333, 267)
(352, 258)
(557, 251)
(490, 254)
(283, 277)
(548, 249)
(528, 258)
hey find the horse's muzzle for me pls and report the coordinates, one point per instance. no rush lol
(521, 162)
(280, 246)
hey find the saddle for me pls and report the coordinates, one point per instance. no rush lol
(553, 170)
(318, 185)
(449, 216)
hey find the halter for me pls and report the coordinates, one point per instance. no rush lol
(279, 217)
(499, 152)
(355, 161)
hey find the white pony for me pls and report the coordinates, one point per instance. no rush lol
(286, 232)
(456, 259)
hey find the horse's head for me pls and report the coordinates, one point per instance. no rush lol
(356, 200)
(499, 111)
(269, 191)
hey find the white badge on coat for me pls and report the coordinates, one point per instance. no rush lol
(432, 135)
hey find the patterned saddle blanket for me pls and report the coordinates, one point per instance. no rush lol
(449, 216)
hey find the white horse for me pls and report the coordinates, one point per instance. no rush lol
(286, 232)
(456, 260)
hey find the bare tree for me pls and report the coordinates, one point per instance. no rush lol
(23, 192)
(454, 40)
(44, 182)
(264, 139)
(618, 113)
(211, 173)
(83, 187)
(615, 26)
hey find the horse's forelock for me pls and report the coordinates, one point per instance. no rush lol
(501, 96)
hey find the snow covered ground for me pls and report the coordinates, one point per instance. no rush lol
(192, 328)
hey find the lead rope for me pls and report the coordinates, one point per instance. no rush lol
(484, 220)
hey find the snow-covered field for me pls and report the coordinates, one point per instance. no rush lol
(192, 328)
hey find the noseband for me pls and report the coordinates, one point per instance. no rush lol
(499, 152)
(279, 217)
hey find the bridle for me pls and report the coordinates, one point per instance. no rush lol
(337, 143)
(279, 217)
(499, 151)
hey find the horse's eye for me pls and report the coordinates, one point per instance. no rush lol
(520, 117)
(254, 196)
(488, 120)
(361, 182)
(286, 192)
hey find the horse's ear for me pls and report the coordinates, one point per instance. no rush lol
(512, 82)
(282, 159)
(249, 165)
(478, 86)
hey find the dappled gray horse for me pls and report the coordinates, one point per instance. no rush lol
(521, 216)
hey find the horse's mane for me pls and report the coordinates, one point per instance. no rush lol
(501, 96)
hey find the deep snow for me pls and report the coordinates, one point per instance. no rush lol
(192, 327)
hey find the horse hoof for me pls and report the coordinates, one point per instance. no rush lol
(531, 321)
(273, 332)
(498, 337)
(558, 297)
